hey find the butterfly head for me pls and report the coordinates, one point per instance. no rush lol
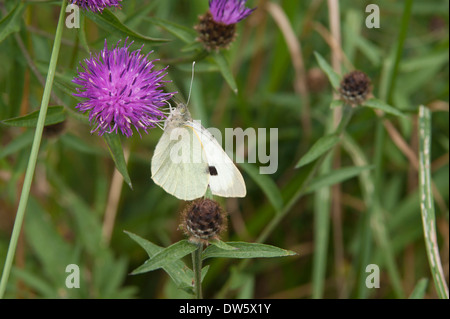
(178, 116)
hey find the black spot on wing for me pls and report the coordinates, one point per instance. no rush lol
(212, 171)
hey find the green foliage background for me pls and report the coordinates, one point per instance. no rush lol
(334, 240)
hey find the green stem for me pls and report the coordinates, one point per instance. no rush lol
(407, 9)
(34, 153)
(197, 268)
(427, 203)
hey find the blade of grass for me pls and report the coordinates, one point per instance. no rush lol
(34, 152)
(427, 203)
(377, 222)
(419, 290)
(322, 208)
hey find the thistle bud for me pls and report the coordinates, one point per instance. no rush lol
(217, 27)
(203, 220)
(355, 87)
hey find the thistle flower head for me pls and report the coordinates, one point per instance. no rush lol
(122, 91)
(229, 11)
(217, 27)
(96, 5)
(355, 87)
(203, 220)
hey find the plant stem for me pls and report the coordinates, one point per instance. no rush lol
(34, 152)
(427, 204)
(197, 268)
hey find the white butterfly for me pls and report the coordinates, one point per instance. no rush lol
(188, 158)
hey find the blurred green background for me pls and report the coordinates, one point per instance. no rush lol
(76, 192)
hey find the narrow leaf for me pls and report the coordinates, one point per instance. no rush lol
(55, 114)
(11, 23)
(177, 270)
(335, 177)
(110, 23)
(221, 245)
(334, 78)
(266, 184)
(187, 35)
(225, 69)
(116, 151)
(419, 289)
(427, 203)
(166, 256)
(17, 144)
(322, 145)
(246, 250)
(380, 105)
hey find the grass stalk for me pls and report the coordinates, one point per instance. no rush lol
(427, 203)
(34, 152)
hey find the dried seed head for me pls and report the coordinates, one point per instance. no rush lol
(214, 35)
(355, 87)
(203, 220)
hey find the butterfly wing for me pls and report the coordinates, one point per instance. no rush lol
(224, 178)
(178, 165)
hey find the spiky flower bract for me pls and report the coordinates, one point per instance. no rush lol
(96, 5)
(122, 90)
(217, 27)
(203, 220)
(355, 88)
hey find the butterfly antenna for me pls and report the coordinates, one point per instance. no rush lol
(192, 81)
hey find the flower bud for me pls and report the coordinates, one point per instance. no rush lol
(355, 87)
(203, 220)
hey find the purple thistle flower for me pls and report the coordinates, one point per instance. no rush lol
(96, 5)
(229, 11)
(122, 91)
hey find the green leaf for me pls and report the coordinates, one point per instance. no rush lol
(419, 289)
(116, 151)
(222, 245)
(11, 23)
(246, 250)
(335, 177)
(55, 114)
(225, 69)
(177, 270)
(166, 256)
(267, 185)
(35, 281)
(378, 104)
(187, 35)
(322, 145)
(79, 145)
(110, 23)
(334, 78)
(150, 248)
(17, 144)
(427, 202)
